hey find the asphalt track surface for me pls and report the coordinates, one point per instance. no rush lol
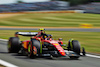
(57, 29)
(24, 61)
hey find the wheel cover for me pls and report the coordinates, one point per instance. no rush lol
(30, 50)
(9, 46)
(34, 50)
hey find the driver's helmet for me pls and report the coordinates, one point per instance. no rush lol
(42, 30)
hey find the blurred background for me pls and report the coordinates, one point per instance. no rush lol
(90, 6)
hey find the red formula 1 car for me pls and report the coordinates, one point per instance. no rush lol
(42, 44)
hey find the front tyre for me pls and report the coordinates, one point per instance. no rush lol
(74, 45)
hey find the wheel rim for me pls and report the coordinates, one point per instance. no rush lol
(32, 52)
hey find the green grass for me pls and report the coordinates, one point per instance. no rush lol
(52, 20)
(89, 40)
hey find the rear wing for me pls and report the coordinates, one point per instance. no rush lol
(26, 33)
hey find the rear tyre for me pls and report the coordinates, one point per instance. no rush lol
(14, 45)
(33, 48)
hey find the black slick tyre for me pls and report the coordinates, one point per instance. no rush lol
(14, 45)
(75, 46)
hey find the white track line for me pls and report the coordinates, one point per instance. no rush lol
(89, 55)
(7, 64)
(3, 40)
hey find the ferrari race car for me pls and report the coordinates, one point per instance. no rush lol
(42, 44)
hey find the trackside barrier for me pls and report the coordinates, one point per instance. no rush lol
(67, 11)
(80, 11)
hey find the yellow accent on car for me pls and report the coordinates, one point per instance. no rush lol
(29, 48)
(72, 54)
(56, 44)
(71, 43)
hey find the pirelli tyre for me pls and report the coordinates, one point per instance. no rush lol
(74, 46)
(14, 45)
(33, 48)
